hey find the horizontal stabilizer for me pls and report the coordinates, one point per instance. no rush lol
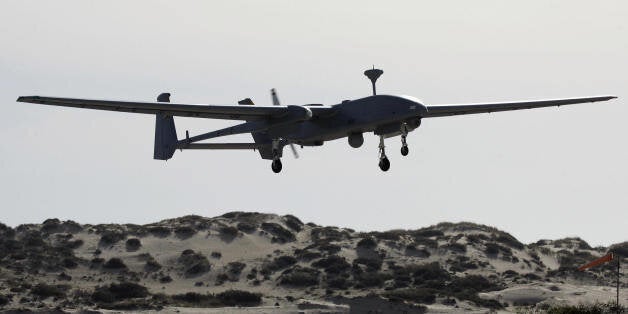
(222, 146)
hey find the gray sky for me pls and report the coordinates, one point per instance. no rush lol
(544, 173)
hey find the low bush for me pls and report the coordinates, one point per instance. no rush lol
(133, 244)
(184, 232)
(427, 233)
(229, 232)
(416, 295)
(278, 263)
(45, 290)
(194, 263)
(281, 234)
(116, 292)
(246, 227)
(239, 298)
(293, 223)
(114, 263)
(235, 268)
(367, 243)
(111, 237)
(300, 277)
(610, 307)
(333, 264)
(371, 263)
(159, 231)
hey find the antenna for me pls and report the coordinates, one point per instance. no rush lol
(373, 74)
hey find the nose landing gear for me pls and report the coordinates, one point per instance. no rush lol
(404, 144)
(384, 163)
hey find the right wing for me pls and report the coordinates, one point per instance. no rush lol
(454, 110)
(248, 113)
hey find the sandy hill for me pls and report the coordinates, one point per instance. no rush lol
(279, 264)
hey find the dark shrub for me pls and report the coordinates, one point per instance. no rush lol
(371, 279)
(328, 234)
(151, 266)
(293, 223)
(427, 242)
(416, 295)
(455, 247)
(393, 235)
(159, 231)
(133, 244)
(4, 300)
(69, 263)
(216, 254)
(51, 226)
(338, 283)
(333, 264)
(620, 249)
(281, 234)
(367, 243)
(246, 227)
(372, 264)
(114, 263)
(306, 255)
(239, 298)
(165, 279)
(194, 263)
(428, 233)
(427, 272)
(474, 283)
(330, 248)
(110, 237)
(44, 290)
(228, 232)
(235, 268)
(300, 277)
(71, 226)
(184, 232)
(509, 240)
(115, 292)
(491, 248)
(278, 263)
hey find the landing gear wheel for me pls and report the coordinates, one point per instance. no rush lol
(384, 164)
(404, 150)
(276, 166)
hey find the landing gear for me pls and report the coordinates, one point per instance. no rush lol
(404, 144)
(404, 150)
(276, 166)
(384, 163)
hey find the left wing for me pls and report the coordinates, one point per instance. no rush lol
(453, 110)
(228, 112)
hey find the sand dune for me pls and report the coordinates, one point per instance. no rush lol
(262, 263)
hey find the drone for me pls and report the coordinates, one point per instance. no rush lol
(274, 127)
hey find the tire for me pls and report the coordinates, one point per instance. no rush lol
(384, 164)
(276, 166)
(404, 150)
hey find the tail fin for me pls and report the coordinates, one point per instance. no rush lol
(165, 133)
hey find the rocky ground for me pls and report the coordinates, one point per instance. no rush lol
(244, 262)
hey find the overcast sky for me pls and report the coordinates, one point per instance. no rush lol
(543, 173)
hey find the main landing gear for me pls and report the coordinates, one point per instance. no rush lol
(276, 165)
(384, 163)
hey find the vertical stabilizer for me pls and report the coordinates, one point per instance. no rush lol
(165, 133)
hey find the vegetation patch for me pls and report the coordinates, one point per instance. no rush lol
(280, 234)
(300, 277)
(194, 263)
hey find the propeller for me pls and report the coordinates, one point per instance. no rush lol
(273, 95)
